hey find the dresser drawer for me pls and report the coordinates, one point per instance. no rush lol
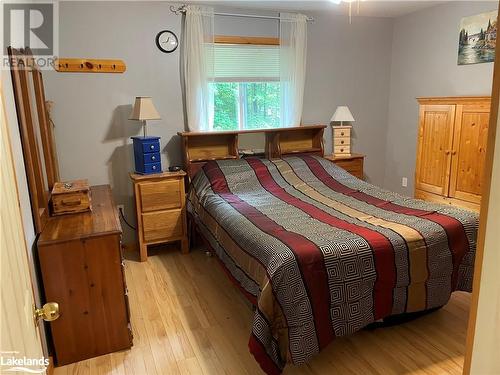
(152, 146)
(162, 195)
(162, 225)
(341, 132)
(341, 141)
(346, 149)
(148, 168)
(153, 157)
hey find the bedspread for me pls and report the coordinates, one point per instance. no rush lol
(322, 254)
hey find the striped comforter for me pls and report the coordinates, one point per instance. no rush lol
(322, 254)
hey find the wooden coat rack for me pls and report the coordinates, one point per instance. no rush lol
(89, 66)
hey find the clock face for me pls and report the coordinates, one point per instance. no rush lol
(167, 41)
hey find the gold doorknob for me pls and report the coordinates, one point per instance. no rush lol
(49, 312)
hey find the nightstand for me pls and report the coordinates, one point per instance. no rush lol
(160, 206)
(352, 163)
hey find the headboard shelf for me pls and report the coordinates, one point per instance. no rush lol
(201, 147)
(230, 157)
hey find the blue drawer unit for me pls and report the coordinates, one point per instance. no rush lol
(147, 154)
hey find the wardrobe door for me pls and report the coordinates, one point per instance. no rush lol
(435, 139)
(469, 151)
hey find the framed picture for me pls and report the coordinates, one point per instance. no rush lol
(477, 38)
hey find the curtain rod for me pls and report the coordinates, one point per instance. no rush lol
(182, 9)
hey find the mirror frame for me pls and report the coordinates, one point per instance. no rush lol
(22, 65)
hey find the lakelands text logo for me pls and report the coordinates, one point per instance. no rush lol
(11, 362)
(33, 25)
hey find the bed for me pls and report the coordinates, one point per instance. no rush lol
(322, 254)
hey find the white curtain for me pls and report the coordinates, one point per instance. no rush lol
(293, 52)
(198, 63)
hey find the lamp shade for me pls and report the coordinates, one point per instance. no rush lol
(342, 113)
(144, 109)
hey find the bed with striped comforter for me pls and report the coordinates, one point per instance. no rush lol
(322, 254)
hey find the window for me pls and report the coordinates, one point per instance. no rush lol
(246, 87)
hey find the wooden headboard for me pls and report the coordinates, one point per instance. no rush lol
(201, 147)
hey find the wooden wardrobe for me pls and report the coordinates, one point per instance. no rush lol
(451, 150)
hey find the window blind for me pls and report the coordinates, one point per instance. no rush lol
(246, 63)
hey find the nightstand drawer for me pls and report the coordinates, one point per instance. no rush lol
(163, 225)
(350, 164)
(161, 195)
(161, 210)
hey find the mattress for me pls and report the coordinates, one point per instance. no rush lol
(322, 254)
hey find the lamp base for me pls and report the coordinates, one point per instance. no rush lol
(147, 154)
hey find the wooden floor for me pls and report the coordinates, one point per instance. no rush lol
(187, 318)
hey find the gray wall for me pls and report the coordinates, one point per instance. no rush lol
(424, 63)
(347, 64)
(350, 65)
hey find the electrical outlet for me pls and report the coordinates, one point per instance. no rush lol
(404, 182)
(121, 207)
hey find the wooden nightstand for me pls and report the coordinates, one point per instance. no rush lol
(352, 163)
(161, 214)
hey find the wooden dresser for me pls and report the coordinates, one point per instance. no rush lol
(451, 152)
(161, 214)
(352, 163)
(82, 270)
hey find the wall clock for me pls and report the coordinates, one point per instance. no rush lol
(166, 41)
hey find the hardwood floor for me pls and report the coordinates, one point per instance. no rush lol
(187, 318)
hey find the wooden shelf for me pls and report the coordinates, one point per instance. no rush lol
(250, 131)
(201, 147)
(301, 151)
(229, 157)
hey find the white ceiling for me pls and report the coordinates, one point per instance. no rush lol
(371, 8)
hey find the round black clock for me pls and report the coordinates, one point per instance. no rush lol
(166, 41)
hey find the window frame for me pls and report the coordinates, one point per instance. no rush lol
(244, 40)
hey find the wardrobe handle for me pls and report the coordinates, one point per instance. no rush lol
(447, 152)
(453, 152)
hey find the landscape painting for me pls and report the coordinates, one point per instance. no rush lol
(477, 38)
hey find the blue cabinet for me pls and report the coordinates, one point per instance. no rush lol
(147, 154)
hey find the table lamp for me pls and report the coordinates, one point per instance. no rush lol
(144, 110)
(146, 148)
(342, 134)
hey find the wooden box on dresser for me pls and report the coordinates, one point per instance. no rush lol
(451, 152)
(160, 205)
(82, 270)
